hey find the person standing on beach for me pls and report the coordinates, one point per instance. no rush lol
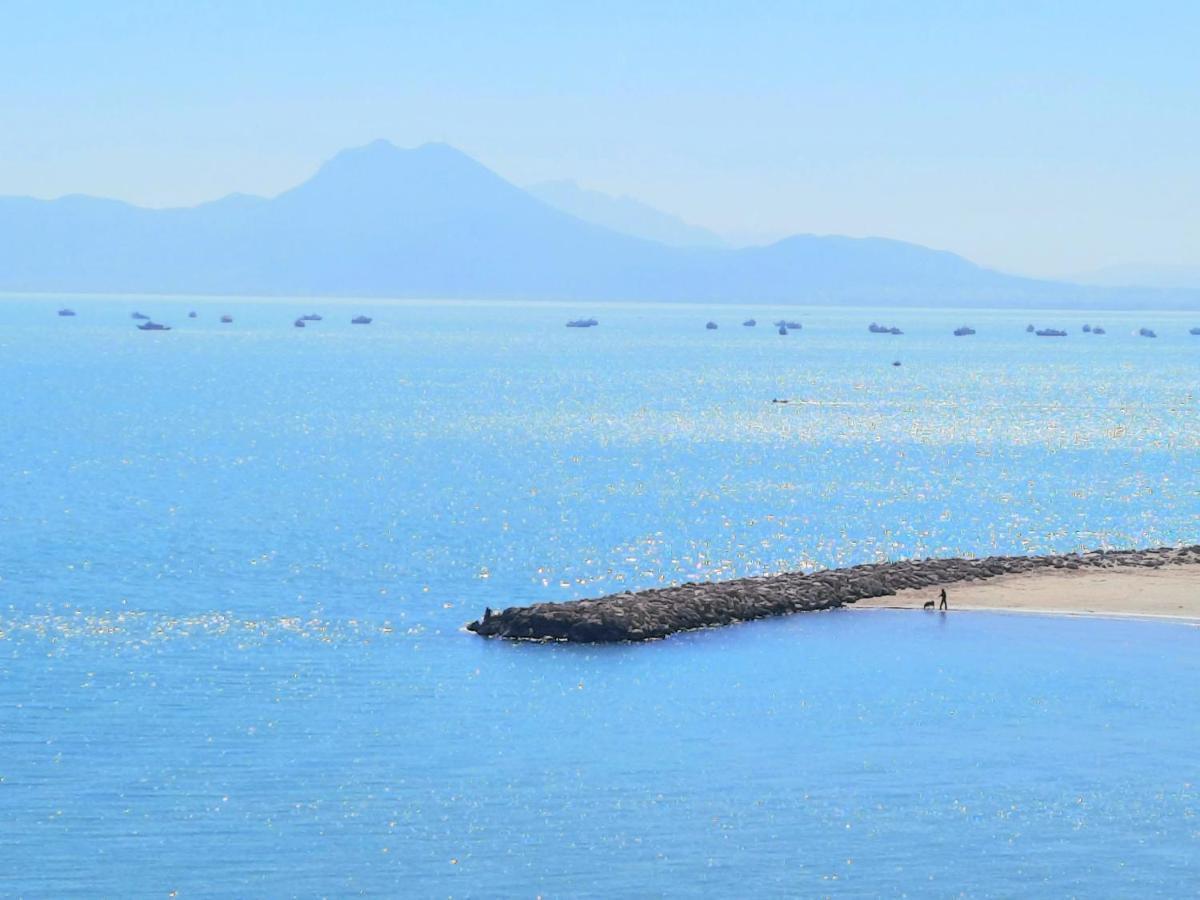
(943, 605)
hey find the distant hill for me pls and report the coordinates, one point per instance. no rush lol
(432, 222)
(623, 214)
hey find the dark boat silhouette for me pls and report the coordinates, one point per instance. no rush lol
(299, 323)
(65, 311)
(1194, 331)
(1029, 329)
(361, 320)
(783, 329)
(138, 315)
(311, 317)
(192, 314)
(883, 329)
(895, 362)
(1050, 332)
(226, 319)
(711, 326)
(153, 326)
(964, 330)
(790, 326)
(1147, 332)
(583, 323)
(1098, 330)
(1087, 329)
(750, 323)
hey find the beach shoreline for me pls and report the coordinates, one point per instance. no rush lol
(1129, 592)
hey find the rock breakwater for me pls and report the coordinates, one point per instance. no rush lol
(652, 614)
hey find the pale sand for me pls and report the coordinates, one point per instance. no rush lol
(1168, 592)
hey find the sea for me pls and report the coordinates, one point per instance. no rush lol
(236, 560)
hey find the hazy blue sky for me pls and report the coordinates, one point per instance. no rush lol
(1037, 137)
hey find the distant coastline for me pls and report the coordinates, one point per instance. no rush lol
(431, 222)
(653, 614)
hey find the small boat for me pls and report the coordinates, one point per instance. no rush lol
(790, 326)
(1098, 330)
(1087, 329)
(65, 311)
(1194, 331)
(583, 323)
(895, 362)
(711, 326)
(299, 323)
(749, 323)
(1147, 332)
(192, 314)
(883, 329)
(1029, 329)
(138, 315)
(153, 326)
(225, 320)
(311, 317)
(964, 330)
(361, 320)
(783, 329)
(1050, 332)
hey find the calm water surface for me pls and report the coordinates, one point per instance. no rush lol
(235, 561)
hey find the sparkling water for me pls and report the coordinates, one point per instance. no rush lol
(235, 560)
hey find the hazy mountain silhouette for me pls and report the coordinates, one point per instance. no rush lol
(623, 214)
(432, 222)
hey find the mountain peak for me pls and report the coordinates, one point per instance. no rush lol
(381, 162)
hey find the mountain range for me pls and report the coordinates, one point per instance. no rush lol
(432, 222)
(624, 214)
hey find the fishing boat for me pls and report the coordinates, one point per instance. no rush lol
(963, 331)
(361, 320)
(583, 323)
(153, 326)
(65, 311)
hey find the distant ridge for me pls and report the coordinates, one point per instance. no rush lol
(432, 222)
(623, 214)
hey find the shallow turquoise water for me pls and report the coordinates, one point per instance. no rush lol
(235, 561)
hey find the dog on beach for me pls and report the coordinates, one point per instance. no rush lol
(928, 605)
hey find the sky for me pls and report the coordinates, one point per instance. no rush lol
(1037, 138)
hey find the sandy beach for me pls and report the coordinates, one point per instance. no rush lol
(1125, 591)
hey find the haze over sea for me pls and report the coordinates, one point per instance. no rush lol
(235, 561)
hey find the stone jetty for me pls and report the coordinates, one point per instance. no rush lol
(652, 614)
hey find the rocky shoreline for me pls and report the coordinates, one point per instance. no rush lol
(653, 614)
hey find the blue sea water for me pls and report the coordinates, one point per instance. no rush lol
(235, 561)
